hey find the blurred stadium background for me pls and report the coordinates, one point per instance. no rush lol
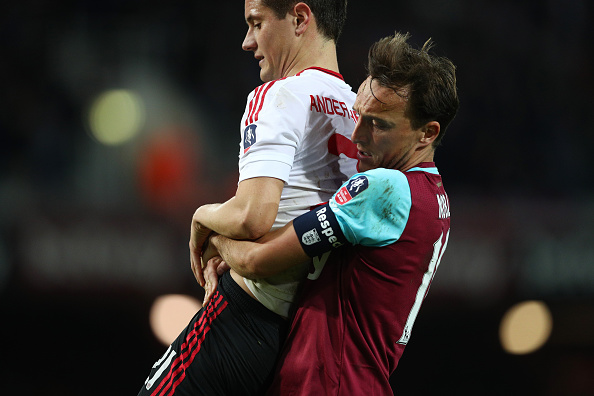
(119, 118)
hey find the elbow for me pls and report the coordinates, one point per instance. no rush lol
(253, 226)
(253, 231)
(252, 266)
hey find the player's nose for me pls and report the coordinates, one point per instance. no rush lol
(358, 135)
(249, 42)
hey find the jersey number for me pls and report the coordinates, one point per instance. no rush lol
(438, 251)
(318, 262)
(162, 364)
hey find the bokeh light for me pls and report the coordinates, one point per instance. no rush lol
(116, 116)
(525, 327)
(170, 172)
(170, 314)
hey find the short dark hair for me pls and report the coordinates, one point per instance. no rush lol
(430, 81)
(330, 14)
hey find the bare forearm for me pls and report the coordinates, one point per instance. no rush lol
(233, 221)
(266, 256)
(248, 215)
(234, 253)
(219, 219)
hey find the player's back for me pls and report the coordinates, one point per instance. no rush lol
(298, 130)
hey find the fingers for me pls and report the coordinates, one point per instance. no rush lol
(211, 278)
(222, 268)
(197, 238)
(195, 265)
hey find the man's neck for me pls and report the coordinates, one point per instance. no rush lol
(424, 156)
(321, 53)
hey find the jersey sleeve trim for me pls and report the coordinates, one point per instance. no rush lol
(266, 167)
(318, 231)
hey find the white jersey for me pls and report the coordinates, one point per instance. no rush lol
(297, 129)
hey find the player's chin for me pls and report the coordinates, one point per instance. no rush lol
(266, 75)
(363, 166)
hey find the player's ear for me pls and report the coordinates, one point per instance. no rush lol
(430, 132)
(303, 17)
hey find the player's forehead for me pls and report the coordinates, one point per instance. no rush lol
(374, 99)
(254, 9)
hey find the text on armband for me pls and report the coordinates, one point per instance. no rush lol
(327, 228)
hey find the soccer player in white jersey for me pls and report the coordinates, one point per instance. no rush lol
(295, 152)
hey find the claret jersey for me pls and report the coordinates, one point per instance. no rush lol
(360, 303)
(297, 129)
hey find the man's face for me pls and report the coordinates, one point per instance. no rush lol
(383, 134)
(269, 38)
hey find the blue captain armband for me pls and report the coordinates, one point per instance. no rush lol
(318, 231)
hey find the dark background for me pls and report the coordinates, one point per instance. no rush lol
(91, 234)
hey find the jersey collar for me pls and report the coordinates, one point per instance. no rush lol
(428, 167)
(332, 73)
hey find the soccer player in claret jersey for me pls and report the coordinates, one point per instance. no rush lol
(385, 231)
(294, 154)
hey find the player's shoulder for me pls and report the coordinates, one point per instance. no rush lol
(424, 174)
(274, 95)
(265, 88)
(375, 182)
(300, 87)
(383, 176)
(272, 88)
(312, 75)
(420, 176)
(312, 79)
(427, 168)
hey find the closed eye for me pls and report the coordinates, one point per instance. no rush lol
(379, 124)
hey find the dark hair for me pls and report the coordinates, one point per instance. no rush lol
(330, 14)
(428, 80)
